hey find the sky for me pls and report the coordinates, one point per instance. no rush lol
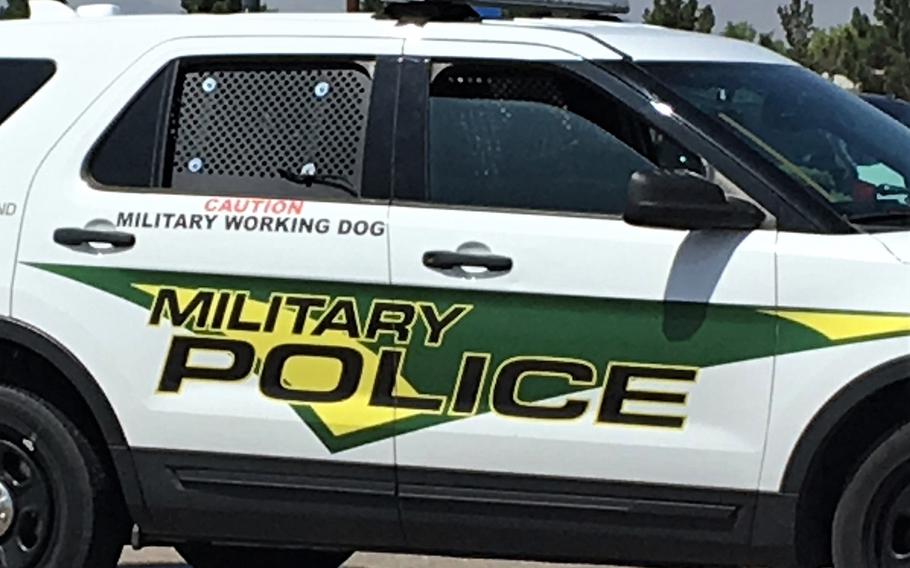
(762, 13)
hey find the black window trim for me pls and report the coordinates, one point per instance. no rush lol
(616, 78)
(377, 170)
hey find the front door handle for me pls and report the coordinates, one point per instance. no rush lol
(73, 237)
(445, 260)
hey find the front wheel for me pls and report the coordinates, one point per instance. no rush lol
(58, 504)
(202, 555)
(872, 523)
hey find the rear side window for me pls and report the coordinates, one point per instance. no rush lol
(19, 80)
(277, 127)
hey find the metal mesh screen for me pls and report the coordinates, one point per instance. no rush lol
(237, 128)
(492, 83)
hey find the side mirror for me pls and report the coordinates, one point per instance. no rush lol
(680, 200)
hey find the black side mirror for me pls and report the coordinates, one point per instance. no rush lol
(680, 200)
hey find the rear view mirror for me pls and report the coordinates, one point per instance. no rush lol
(681, 200)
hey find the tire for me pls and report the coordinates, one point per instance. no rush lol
(871, 526)
(202, 555)
(67, 509)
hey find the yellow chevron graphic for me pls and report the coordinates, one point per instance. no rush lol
(845, 327)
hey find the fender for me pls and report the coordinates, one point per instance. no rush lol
(42, 344)
(818, 433)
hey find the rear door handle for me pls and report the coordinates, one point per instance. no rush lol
(73, 237)
(445, 260)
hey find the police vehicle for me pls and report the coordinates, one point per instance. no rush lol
(280, 287)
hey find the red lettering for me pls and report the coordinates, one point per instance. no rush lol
(211, 204)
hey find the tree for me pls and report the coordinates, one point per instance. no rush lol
(856, 50)
(15, 9)
(741, 30)
(681, 15)
(770, 42)
(222, 6)
(706, 20)
(798, 20)
(894, 16)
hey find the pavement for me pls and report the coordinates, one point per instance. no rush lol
(167, 558)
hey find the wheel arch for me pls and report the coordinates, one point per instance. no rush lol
(25, 336)
(825, 423)
(837, 440)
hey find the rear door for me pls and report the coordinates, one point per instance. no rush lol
(574, 380)
(201, 240)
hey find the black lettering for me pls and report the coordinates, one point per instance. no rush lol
(396, 318)
(196, 221)
(177, 368)
(250, 223)
(303, 305)
(617, 391)
(281, 224)
(125, 219)
(233, 222)
(323, 226)
(387, 372)
(377, 229)
(271, 319)
(506, 399)
(304, 225)
(235, 321)
(346, 308)
(210, 220)
(272, 383)
(470, 381)
(344, 227)
(265, 224)
(167, 305)
(438, 325)
(180, 222)
(220, 309)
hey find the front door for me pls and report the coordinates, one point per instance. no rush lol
(579, 361)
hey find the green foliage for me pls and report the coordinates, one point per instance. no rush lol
(221, 6)
(15, 9)
(894, 16)
(770, 42)
(798, 20)
(741, 30)
(681, 15)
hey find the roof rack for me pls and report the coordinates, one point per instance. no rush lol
(463, 10)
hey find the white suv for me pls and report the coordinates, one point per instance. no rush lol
(279, 287)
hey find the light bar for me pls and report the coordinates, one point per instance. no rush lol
(591, 6)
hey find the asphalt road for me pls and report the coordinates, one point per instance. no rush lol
(166, 558)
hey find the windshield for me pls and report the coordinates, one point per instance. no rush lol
(897, 109)
(823, 137)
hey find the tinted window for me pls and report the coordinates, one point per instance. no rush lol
(276, 127)
(129, 155)
(19, 80)
(823, 137)
(535, 138)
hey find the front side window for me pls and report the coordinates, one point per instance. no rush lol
(532, 137)
(276, 127)
(821, 136)
(20, 79)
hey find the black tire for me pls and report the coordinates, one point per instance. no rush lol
(872, 523)
(203, 555)
(69, 510)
